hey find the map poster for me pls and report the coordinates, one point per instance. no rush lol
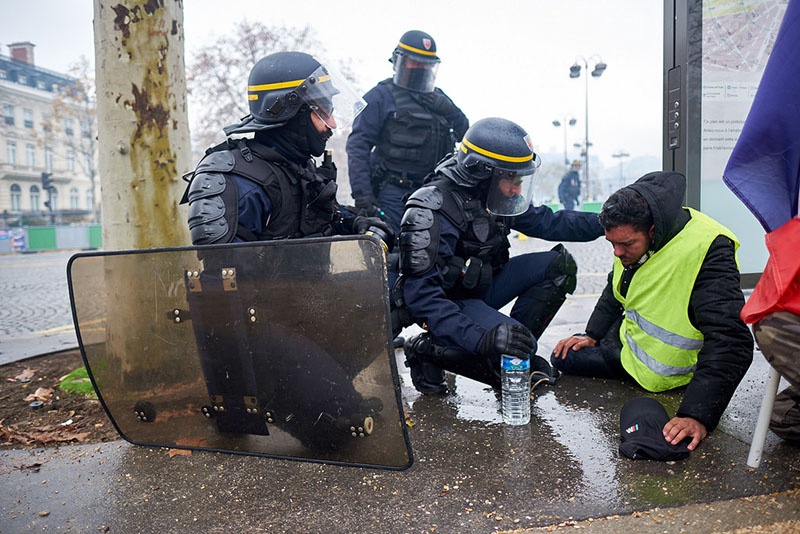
(738, 36)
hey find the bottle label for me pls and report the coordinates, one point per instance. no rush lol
(511, 363)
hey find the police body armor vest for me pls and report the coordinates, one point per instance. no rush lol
(481, 250)
(303, 203)
(660, 345)
(414, 139)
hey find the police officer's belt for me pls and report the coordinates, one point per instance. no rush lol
(401, 181)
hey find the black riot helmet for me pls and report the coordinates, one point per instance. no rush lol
(415, 62)
(498, 155)
(281, 84)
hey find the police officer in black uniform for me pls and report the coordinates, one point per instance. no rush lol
(267, 186)
(408, 127)
(455, 264)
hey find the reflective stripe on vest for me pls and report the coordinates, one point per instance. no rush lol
(659, 343)
(675, 340)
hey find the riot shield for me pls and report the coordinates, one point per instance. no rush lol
(279, 349)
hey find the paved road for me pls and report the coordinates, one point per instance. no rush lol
(35, 314)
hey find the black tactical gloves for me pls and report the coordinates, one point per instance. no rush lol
(377, 227)
(437, 102)
(507, 338)
(367, 205)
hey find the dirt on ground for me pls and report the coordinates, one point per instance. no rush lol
(35, 412)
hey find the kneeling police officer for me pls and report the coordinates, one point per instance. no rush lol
(260, 184)
(456, 268)
(269, 187)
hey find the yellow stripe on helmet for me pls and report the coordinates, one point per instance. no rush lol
(279, 85)
(416, 50)
(273, 86)
(501, 157)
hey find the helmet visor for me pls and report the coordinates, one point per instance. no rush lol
(415, 73)
(332, 98)
(510, 192)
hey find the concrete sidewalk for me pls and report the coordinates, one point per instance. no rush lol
(470, 473)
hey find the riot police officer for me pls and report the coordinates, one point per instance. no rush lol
(455, 264)
(408, 126)
(269, 187)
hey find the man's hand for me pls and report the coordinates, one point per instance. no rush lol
(507, 338)
(679, 428)
(576, 342)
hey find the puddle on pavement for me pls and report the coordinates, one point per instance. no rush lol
(580, 431)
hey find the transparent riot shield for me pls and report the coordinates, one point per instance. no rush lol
(279, 349)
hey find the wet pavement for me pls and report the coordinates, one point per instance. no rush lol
(470, 472)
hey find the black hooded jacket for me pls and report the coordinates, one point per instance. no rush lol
(714, 305)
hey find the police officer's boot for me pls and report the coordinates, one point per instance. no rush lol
(427, 378)
(467, 364)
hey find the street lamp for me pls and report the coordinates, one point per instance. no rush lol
(557, 123)
(621, 155)
(575, 72)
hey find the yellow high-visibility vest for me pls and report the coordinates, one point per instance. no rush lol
(659, 343)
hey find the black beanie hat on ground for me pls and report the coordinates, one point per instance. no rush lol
(640, 423)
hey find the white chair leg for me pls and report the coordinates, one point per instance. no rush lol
(762, 425)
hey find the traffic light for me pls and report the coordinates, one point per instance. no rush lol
(47, 180)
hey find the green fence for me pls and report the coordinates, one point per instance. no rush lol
(42, 238)
(592, 207)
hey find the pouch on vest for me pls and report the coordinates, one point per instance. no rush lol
(472, 272)
(452, 271)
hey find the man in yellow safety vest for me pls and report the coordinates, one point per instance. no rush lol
(669, 315)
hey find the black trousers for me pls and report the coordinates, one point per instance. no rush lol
(601, 361)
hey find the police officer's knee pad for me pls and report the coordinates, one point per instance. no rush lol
(563, 270)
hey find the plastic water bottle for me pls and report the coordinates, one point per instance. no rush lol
(516, 395)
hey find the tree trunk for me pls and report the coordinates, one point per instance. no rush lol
(142, 122)
(143, 136)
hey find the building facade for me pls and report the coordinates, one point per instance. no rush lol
(47, 145)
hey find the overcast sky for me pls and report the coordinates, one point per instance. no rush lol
(507, 58)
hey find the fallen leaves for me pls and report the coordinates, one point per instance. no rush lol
(41, 394)
(42, 435)
(25, 376)
(35, 411)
